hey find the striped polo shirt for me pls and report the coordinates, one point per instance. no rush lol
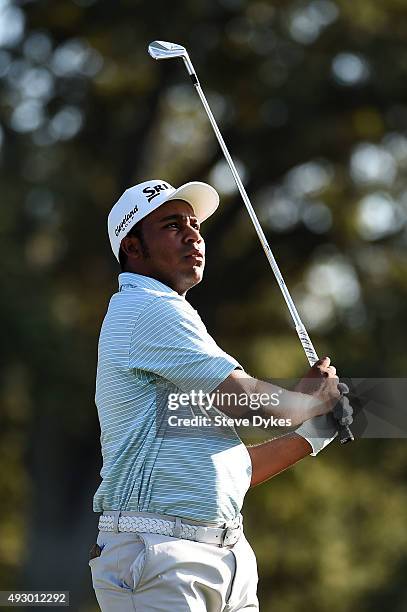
(153, 344)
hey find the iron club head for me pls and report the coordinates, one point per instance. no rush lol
(159, 49)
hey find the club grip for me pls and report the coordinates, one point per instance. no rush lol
(307, 345)
(344, 432)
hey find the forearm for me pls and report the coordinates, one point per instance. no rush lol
(266, 399)
(298, 407)
(275, 456)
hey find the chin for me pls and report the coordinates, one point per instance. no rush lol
(195, 277)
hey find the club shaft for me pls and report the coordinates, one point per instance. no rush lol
(344, 432)
(299, 326)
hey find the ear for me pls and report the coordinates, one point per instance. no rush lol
(132, 247)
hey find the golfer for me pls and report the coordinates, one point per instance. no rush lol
(175, 472)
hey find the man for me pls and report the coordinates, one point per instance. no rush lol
(170, 534)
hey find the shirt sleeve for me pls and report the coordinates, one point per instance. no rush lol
(170, 340)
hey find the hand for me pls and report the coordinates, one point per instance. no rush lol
(321, 382)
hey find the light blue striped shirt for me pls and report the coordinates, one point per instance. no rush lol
(153, 343)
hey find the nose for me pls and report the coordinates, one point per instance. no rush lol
(192, 234)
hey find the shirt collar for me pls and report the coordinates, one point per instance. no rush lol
(144, 282)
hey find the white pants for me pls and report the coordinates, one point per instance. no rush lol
(155, 573)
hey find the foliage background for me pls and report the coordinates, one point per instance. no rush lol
(311, 99)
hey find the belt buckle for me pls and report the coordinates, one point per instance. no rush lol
(230, 536)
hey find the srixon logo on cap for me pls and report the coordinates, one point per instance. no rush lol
(154, 190)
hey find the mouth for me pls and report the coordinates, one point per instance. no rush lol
(196, 257)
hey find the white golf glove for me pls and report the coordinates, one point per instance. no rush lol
(319, 432)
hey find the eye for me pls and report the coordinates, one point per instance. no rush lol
(173, 224)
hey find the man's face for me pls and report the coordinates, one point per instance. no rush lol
(175, 248)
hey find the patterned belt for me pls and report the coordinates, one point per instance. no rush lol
(222, 536)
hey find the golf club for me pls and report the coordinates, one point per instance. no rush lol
(165, 50)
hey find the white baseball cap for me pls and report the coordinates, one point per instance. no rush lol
(139, 201)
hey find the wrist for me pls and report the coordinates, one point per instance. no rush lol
(298, 406)
(319, 432)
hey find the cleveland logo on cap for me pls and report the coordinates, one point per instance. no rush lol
(126, 219)
(152, 192)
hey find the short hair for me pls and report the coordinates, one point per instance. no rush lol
(137, 232)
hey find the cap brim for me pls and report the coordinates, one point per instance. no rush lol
(203, 198)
